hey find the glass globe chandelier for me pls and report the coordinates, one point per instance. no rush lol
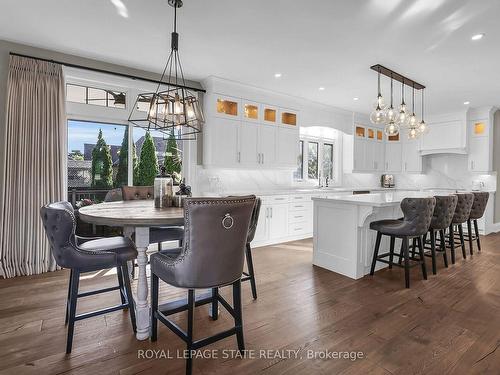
(378, 115)
(393, 119)
(174, 107)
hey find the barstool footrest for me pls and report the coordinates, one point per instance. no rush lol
(181, 305)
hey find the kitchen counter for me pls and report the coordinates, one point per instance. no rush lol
(342, 239)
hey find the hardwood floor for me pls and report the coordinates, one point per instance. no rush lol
(449, 324)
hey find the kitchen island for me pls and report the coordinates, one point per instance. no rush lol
(343, 241)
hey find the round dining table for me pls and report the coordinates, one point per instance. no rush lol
(135, 216)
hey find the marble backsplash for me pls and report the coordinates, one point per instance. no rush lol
(440, 171)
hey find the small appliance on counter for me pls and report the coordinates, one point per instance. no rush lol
(387, 181)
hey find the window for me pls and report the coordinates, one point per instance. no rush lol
(95, 96)
(299, 172)
(312, 161)
(327, 163)
(92, 168)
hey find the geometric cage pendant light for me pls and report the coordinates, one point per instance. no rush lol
(173, 109)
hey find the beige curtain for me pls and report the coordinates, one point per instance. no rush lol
(35, 153)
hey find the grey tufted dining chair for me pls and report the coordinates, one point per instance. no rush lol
(441, 220)
(212, 256)
(476, 212)
(417, 216)
(462, 213)
(82, 255)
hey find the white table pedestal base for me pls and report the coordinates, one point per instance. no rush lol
(141, 300)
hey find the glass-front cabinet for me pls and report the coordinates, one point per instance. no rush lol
(251, 111)
(270, 114)
(288, 117)
(227, 107)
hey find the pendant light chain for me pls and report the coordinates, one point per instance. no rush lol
(174, 110)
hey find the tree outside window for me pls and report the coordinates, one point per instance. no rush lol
(312, 161)
(327, 162)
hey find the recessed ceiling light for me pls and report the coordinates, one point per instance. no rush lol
(478, 36)
(355, 98)
(321, 88)
(277, 75)
(466, 103)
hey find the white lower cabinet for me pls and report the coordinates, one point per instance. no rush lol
(284, 218)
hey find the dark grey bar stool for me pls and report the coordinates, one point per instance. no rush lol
(216, 232)
(415, 223)
(250, 274)
(441, 220)
(477, 212)
(87, 255)
(461, 215)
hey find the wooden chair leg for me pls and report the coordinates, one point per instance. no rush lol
(375, 253)
(119, 274)
(248, 254)
(452, 244)
(433, 251)
(154, 306)
(215, 304)
(469, 230)
(422, 257)
(130, 296)
(159, 246)
(75, 280)
(406, 256)
(391, 251)
(443, 247)
(462, 241)
(191, 305)
(69, 296)
(476, 229)
(238, 315)
(401, 254)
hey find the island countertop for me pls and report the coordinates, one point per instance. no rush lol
(380, 199)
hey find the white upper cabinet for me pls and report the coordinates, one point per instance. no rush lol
(267, 146)
(412, 160)
(223, 136)
(393, 154)
(248, 138)
(285, 154)
(245, 133)
(364, 151)
(480, 137)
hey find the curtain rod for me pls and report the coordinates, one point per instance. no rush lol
(69, 65)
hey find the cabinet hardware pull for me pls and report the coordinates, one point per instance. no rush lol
(262, 158)
(298, 217)
(239, 157)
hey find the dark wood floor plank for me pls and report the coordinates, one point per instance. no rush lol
(449, 324)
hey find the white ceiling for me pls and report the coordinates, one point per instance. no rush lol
(329, 43)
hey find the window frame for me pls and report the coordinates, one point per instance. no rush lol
(336, 161)
(119, 116)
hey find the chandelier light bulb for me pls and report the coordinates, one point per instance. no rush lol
(177, 105)
(377, 117)
(391, 114)
(391, 129)
(412, 121)
(422, 127)
(413, 133)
